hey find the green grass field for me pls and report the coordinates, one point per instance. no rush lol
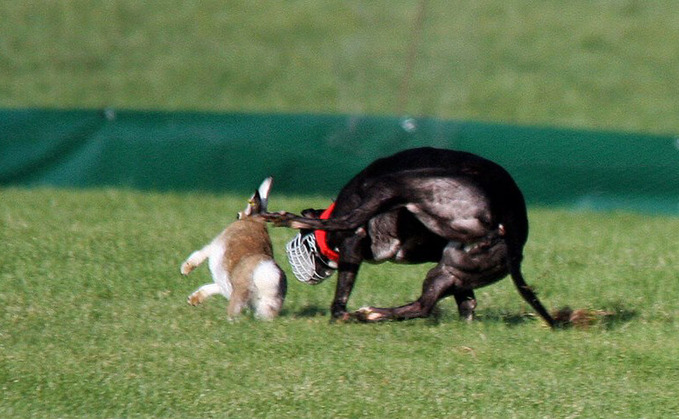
(604, 64)
(94, 323)
(93, 318)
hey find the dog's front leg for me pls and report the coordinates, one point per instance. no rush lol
(345, 283)
(349, 263)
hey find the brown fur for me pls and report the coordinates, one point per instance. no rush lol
(245, 237)
(248, 244)
(242, 264)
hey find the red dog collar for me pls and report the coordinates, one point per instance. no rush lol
(321, 237)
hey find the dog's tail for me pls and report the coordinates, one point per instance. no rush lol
(359, 212)
(350, 221)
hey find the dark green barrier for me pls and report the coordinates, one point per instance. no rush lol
(317, 154)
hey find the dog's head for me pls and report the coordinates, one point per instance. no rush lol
(308, 263)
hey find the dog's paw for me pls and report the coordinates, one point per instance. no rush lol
(369, 315)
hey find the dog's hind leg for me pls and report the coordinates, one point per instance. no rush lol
(439, 283)
(466, 303)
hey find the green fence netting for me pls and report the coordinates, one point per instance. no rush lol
(317, 154)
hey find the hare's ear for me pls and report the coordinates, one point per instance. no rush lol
(258, 200)
(264, 190)
(254, 206)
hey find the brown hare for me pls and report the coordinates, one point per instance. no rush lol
(242, 264)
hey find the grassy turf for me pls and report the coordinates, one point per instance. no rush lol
(581, 63)
(93, 322)
(92, 314)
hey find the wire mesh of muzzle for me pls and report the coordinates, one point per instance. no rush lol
(303, 256)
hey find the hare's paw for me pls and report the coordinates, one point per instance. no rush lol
(187, 267)
(202, 293)
(195, 259)
(196, 298)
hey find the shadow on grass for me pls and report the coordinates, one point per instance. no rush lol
(568, 318)
(311, 311)
(607, 319)
(509, 319)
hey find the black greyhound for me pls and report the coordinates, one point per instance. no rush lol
(419, 205)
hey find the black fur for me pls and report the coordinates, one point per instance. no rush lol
(427, 205)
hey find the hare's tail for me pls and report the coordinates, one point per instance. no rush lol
(270, 286)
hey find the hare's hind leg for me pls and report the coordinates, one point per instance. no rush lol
(268, 308)
(238, 301)
(202, 293)
(241, 280)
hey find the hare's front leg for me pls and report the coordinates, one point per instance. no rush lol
(195, 259)
(202, 293)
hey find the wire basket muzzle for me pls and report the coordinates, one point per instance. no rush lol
(306, 263)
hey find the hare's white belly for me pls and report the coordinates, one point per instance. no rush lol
(219, 274)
